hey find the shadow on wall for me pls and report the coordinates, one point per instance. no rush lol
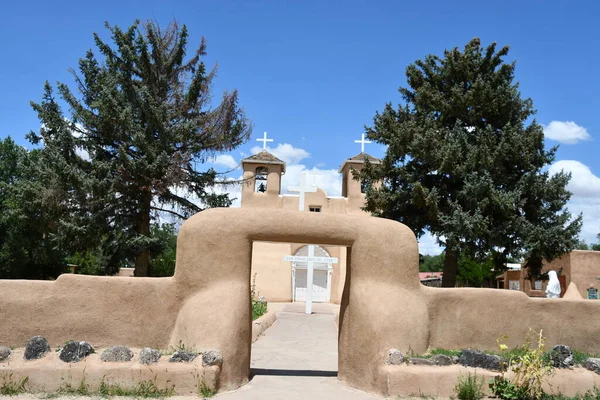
(206, 303)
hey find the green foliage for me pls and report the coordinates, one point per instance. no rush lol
(29, 214)
(81, 390)
(162, 255)
(140, 128)
(530, 367)
(469, 387)
(259, 304)
(474, 273)
(10, 387)
(205, 391)
(431, 263)
(146, 389)
(593, 394)
(466, 162)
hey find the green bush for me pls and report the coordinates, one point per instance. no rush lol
(469, 387)
(530, 367)
(259, 303)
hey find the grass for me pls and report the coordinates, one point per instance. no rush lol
(593, 394)
(469, 387)
(146, 389)
(205, 391)
(444, 352)
(11, 387)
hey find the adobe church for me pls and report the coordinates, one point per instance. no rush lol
(283, 281)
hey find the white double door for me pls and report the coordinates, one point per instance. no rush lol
(321, 285)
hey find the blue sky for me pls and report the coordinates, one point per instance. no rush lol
(313, 73)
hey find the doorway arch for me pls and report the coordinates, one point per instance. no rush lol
(321, 277)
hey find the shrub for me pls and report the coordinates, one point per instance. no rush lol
(469, 387)
(259, 303)
(530, 367)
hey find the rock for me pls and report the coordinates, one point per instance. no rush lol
(561, 356)
(441, 360)
(211, 357)
(4, 353)
(394, 357)
(478, 359)
(117, 354)
(36, 348)
(75, 351)
(183, 356)
(149, 356)
(420, 361)
(455, 359)
(593, 364)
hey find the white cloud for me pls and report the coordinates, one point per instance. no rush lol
(327, 179)
(585, 187)
(225, 160)
(429, 245)
(285, 152)
(567, 132)
(583, 182)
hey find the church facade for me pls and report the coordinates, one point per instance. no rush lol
(283, 281)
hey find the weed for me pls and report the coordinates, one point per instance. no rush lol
(530, 367)
(445, 352)
(147, 389)
(205, 391)
(593, 394)
(180, 347)
(259, 304)
(10, 387)
(81, 390)
(469, 387)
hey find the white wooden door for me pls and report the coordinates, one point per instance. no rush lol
(320, 290)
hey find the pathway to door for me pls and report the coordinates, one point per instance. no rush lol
(296, 358)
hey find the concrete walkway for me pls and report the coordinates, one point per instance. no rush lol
(296, 358)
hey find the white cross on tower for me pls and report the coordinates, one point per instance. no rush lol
(302, 190)
(362, 142)
(265, 140)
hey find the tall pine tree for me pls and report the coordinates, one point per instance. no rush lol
(139, 128)
(465, 162)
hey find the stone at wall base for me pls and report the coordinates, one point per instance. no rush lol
(36, 348)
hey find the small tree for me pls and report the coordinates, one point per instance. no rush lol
(465, 162)
(140, 128)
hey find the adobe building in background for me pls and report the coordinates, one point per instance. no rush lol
(276, 279)
(580, 267)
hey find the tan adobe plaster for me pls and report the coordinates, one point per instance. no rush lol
(206, 304)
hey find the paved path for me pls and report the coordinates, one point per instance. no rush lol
(297, 359)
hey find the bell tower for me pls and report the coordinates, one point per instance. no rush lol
(261, 185)
(352, 189)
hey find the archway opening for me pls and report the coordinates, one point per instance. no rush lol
(297, 343)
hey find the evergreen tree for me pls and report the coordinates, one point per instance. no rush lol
(139, 130)
(465, 162)
(27, 250)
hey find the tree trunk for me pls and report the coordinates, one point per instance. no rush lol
(142, 259)
(450, 267)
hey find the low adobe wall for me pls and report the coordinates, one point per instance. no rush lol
(206, 304)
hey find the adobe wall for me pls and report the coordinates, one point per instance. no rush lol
(585, 268)
(270, 271)
(329, 205)
(206, 304)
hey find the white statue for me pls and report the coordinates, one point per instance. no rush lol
(553, 288)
